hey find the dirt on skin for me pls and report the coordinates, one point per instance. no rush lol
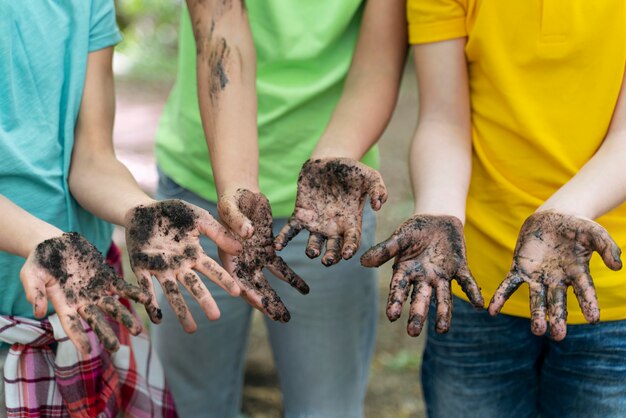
(258, 252)
(552, 253)
(170, 218)
(329, 204)
(87, 282)
(429, 253)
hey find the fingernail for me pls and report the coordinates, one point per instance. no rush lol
(311, 253)
(286, 316)
(616, 255)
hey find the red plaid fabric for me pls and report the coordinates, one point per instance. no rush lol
(45, 376)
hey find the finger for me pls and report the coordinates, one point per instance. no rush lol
(333, 251)
(605, 246)
(398, 292)
(117, 311)
(152, 307)
(470, 287)
(232, 216)
(280, 269)
(74, 329)
(420, 301)
(216, 273)
(557, 309)
(587, 298)
(200, 293)
(286, 234)
(35, 290)
(177, 301)
(127, 290)
(314, 245)
(351, 241)
(508, 286)
(271, 303)
(377, 190)
(382, 252)
(100, 327)
(444, 306)
(209, 227)
(538, 308)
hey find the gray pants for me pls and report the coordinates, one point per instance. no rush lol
(322, 355)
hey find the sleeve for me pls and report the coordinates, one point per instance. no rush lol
(436, 20)
(103, 30)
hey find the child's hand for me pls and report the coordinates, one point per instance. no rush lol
(258, 253)
(70, 272)
(163, 241)
(329, 204)
(552, 253)
(430, 253)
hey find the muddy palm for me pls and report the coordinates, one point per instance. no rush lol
(429, 253)
(329, 204)
(163, 241)
(70, 272)
(258, 253)
(552, 253)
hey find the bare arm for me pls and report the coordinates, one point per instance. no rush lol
(333, 184)
(162, 237)
(441, 152)
(371, 88)
(602, 180)
(21, 232)
(556, 243)
(226, 73)
(429, 247)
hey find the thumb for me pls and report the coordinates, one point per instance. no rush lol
(233, 217)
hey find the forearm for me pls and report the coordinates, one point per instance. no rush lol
(371, 87)
(441, 158)
(441, 152)
(598, 187)
(21, 232)
(226, 72)
(105, 187)
(97, 180)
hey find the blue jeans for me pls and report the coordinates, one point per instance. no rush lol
(322, 355)
(495, 367)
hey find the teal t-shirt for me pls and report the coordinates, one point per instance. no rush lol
(43, 60)
(303, 50)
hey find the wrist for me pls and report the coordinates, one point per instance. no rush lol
(329, 148)
(230, 188)
(436, 210)
(37, 235)
(576, 209)
(130, 209)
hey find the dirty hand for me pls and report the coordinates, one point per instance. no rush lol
(430, 253)
(70, 272)
(258, 252)
(163, 241)
(329, 204)
(552, 253)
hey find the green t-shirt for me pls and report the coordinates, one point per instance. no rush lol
(304, 50)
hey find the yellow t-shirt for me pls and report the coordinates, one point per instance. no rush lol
(544, 80)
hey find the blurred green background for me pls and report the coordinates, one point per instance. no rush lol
(150, 28)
